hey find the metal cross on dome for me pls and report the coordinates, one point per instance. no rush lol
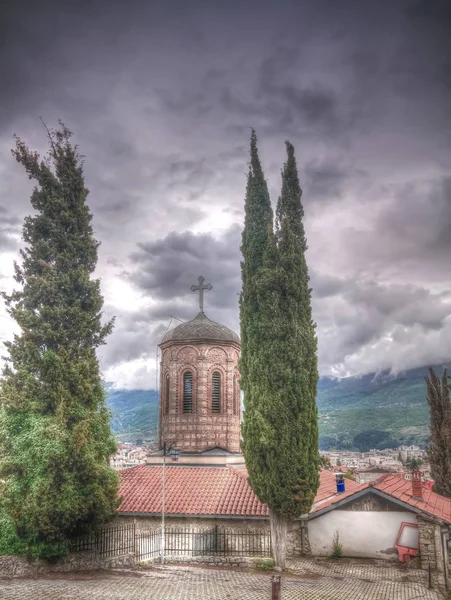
(200, 288)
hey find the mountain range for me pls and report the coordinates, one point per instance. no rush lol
(355, 413)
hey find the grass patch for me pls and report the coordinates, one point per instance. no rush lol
(264, 564)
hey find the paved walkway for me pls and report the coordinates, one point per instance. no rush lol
(308, 580)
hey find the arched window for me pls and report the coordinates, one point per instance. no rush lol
(166, 395)
(216, 392)
(188, 392)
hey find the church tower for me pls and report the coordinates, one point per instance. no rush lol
(200, 398)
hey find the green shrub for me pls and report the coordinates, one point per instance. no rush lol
(10, 543)
(337, 547)
(264, 564)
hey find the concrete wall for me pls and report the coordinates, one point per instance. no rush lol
(369, 476)
(363, 534)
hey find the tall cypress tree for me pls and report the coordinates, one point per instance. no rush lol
(280, 432)
(258, 222)
(439, 444)
(55, 437)
(292, 246)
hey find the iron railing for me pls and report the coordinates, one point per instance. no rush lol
(146, 544)
(107, 542)
(215, 541)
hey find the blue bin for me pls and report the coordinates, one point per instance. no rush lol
(340, 485)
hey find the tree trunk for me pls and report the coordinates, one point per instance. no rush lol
(279, 526)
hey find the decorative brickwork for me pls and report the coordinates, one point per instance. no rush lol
(201, 429)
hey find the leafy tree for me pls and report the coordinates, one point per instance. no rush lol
(324, 462)
(372, 438)
(55, 438)
(280, 431)
(439, 443)
(413, 463)
(349, 475)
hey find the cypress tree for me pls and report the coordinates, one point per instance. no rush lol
(302, 357)
(55, 437)
(280, 432)
(439, 443)
(258, 223)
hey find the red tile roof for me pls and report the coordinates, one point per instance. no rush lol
(327, 491)
(401, 488)
(189, 491)
(212, 491)
(393, 485)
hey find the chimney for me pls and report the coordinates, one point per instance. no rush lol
(340, 482)
(417, 485)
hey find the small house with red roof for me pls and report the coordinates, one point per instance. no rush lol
(373, 518)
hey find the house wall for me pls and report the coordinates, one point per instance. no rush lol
(369, 476)
(363, 534)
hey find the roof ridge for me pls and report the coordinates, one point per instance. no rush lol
(380, 479)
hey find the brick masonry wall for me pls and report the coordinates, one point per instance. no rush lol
(220, 561)
(201, 429)
(431, 551)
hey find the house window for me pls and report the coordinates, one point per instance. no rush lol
(166, 396)
(188, 392)
(216, 392)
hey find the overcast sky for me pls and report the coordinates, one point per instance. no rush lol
(161, 96)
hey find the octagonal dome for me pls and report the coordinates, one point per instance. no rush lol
(201, 328)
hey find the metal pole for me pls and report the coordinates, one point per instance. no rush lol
(162, 505)
(276, 587)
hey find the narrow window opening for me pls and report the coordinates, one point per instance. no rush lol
(188, 392)
(166, 406)
(216, 392)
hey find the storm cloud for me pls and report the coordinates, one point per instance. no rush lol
(161, 97)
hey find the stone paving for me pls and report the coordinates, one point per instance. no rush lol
(306, 580)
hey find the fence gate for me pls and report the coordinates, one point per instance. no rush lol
(148, 544)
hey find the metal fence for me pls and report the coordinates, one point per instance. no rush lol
(111, 541)
(208, 542)
(147, 544)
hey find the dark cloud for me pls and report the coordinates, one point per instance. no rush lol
(409, 234)
(161, 97)
(10, 226)
(168, 267)
(324, 181)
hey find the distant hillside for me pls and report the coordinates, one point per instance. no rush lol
(374, 411)
(358, 413)
(134, 414)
